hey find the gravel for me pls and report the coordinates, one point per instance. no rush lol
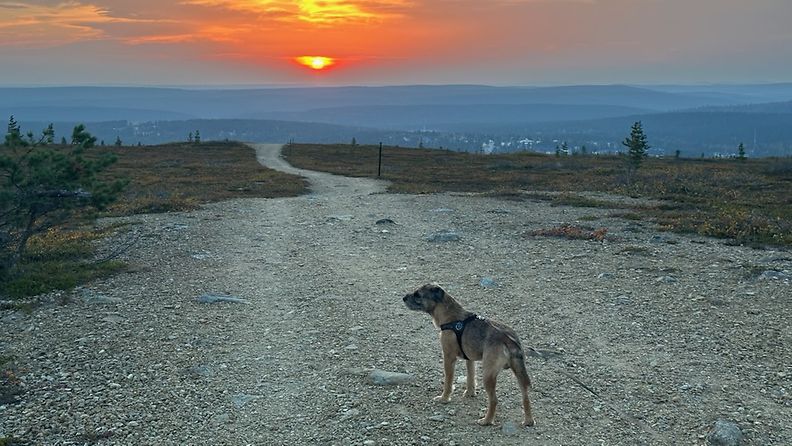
(621, 355)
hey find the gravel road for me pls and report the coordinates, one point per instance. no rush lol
(646, 338)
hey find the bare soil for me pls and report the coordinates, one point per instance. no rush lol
(646, 338)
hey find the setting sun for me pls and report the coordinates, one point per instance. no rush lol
(315, 62)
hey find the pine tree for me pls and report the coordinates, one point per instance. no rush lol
(42, 188)
(564, 148)
(190, 138)
(197, 137)
(741, 152)
(354, 141)
(637, 146)
(81, 137)
(118, 142)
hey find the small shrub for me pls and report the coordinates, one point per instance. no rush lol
(571, 232)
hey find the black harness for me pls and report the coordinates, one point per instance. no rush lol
(459, 328)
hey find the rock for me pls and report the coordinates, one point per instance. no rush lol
(774, 275)
(93, 297)
(509, 428)
(623, 300)
(443, 236)
(214, 298)
(242, 399)
(438, 418)
(424, 438)
(725, 433)
(487, 282)
(498, 211)
(605, 276)
(369, 442)
(351, 413)
(112, 319)
(386, 221)
(384, 378)
(202, 371)
(223, 418)
(662, 239)
(340, 217)
(665, 279)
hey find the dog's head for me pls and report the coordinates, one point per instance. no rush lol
(425, 298)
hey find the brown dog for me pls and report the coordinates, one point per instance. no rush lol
(465, 335)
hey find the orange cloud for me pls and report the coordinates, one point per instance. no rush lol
(313, 11)
(34, 25)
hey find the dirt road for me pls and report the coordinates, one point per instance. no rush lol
(647, 338)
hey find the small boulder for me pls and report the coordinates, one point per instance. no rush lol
(384, 378)
(725, 433)
(385, 221)
(774, 275)
(487, 282)
(215, 298)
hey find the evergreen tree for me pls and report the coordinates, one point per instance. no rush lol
(583, 150)
(63, 141)
(118, 142)
(677, 153)
(564, 148)
(637, 146)
(197, 137)
(741, 152)
(190, 138)
(13, 136)
(81, 137)
(354, 141)
(42, 187)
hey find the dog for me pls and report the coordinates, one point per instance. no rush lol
(472, 338)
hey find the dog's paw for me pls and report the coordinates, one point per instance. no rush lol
(442, 399)
(485, 421)
(528, 423)
(469, 394)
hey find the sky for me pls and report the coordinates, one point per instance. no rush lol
(387, 42)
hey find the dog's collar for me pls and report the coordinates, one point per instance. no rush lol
(459, 327)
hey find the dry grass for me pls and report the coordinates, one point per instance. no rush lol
(177, 177)
(747, 201)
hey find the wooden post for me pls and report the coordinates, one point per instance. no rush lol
(379, 164)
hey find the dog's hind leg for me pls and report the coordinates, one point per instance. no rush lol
(470, 391)
(517, 364)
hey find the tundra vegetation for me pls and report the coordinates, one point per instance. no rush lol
(747, 201)
(52, 194)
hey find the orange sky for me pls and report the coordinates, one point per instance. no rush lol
(394, 41)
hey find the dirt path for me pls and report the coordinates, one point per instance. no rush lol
(649, 338)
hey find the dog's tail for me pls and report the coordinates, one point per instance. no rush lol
(517, 362)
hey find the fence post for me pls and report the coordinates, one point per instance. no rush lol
(379, 164)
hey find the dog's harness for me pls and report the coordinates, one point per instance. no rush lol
(459, 328)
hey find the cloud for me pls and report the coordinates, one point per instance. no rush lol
(35, 25)
(313, 11)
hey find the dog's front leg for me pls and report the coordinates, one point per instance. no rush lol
(449, 362)
(470, 391)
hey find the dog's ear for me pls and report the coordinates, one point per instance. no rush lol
(436, 293)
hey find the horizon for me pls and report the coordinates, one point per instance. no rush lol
(233, 43)
(220, 86)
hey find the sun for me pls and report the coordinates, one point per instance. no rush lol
(315, 62)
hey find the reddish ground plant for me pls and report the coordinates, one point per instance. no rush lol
(571, 232)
